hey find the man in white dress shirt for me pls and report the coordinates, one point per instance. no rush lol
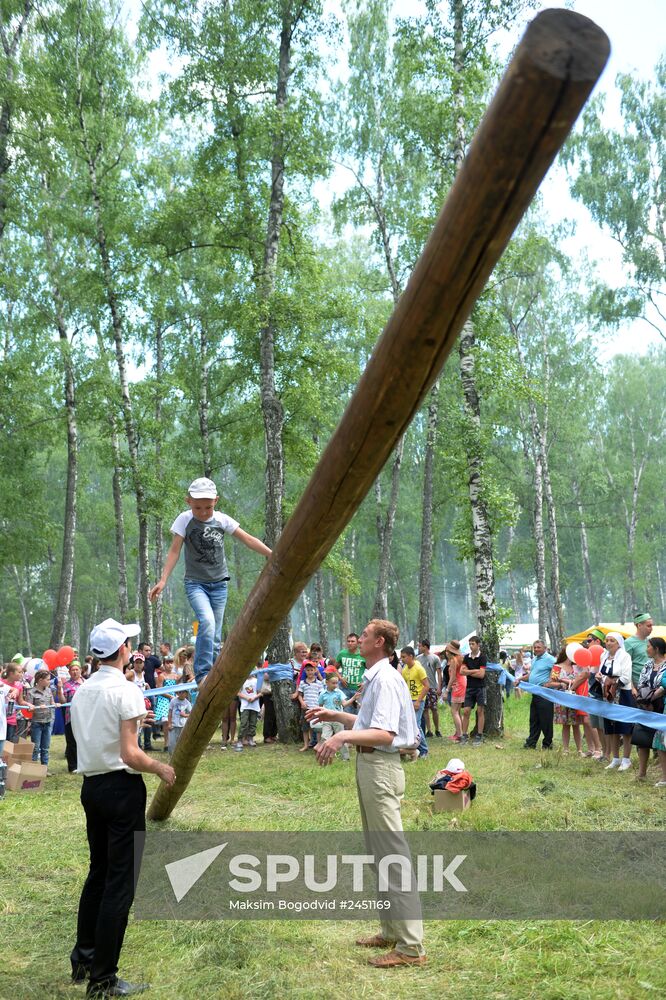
(106, 713)
(384, 725)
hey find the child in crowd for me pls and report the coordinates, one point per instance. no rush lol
(42, 701)
(12, 676)
(138, 665)
(179, 713)
(249, 712)
(332, 698)
(164, 679)
(308, 697)
(566, 676)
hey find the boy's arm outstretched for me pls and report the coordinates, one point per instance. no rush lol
(173, 555)
(251, 542)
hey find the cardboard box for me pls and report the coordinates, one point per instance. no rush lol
(26, 777)
(450, 801)
(17, 752)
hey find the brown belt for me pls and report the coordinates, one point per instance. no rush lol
(364, 749)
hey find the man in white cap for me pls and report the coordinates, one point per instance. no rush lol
(202, 529)
(106, 714)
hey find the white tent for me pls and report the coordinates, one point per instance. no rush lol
(512, 637)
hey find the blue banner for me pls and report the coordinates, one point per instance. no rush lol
(606, 709)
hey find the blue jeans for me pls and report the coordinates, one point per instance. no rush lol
(423, 746)
(40, 733)
(208, 601)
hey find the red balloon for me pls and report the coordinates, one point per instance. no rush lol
(596, 653)
(50, 658)
(583, 657)
(65, 656)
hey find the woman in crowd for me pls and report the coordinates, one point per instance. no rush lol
(602, 750)
(650, 697)
(615, 675)
(183, 656)
(456, 686)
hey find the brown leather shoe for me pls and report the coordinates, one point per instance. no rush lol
(374, 941)
(395, 958)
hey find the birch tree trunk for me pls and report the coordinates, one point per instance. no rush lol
(551, 598)
(306, 615)
(75, 629)
(321, 611)
(534, 458)
(25, 619)
(424, 623)
(555, 597)
(204, 404)
(158, 608)
(117, 490)
(592, 603)
(271, 404)
(380, 609)
(127, 411)
(346, 613)
(515, 600)
(64, 599)
(484, 570)
(660, 584)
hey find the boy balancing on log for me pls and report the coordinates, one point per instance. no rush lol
(202, 529)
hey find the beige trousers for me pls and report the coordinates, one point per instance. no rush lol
(380, 782)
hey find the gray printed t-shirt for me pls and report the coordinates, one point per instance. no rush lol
(431, 663)
(204, 545)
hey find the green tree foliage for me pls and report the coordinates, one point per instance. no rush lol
(620, 177)
(137, 229)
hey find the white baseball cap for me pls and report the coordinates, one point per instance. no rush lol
(455, 766)
(109, 636)
(202, 489)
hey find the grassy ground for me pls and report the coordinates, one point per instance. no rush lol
(44, 855)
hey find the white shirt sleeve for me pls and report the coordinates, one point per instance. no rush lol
(132, 704)
(180, 524)
(228, 524)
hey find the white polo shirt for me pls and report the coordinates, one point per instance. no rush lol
(387, 705)
(98, 707)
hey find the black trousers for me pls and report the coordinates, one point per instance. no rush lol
(115, 808)
(270, 722)
(70, 747)
(541, 721)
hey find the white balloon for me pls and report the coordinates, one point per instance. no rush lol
(571, 649)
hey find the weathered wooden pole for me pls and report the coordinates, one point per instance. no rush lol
(551, 75)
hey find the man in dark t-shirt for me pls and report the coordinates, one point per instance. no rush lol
(151, 663)
(474, 669)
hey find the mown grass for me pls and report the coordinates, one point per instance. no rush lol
(44, 858)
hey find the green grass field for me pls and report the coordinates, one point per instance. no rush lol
(44, 860)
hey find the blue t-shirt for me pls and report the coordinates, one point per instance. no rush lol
(332, 699)
(541, 668)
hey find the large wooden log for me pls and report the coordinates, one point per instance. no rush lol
(550, 77)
